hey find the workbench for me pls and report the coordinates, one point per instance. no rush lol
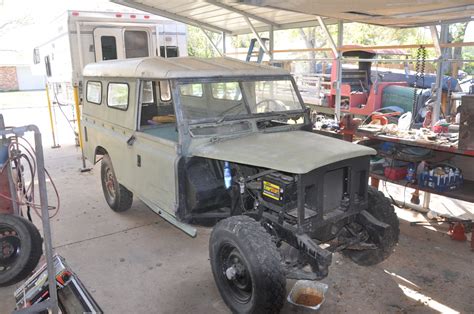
(441, 151)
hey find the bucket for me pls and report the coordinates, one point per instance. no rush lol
(308, 294)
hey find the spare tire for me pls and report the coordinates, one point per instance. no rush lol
(21, 247)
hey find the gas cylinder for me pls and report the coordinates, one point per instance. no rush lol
(456, 232)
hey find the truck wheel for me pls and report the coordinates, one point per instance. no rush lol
(117, 196)
(20, 249)
(246, 266)
(381, 208)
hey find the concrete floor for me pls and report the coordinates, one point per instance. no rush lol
(135, 262)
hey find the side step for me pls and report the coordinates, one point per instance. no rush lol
(189, 230)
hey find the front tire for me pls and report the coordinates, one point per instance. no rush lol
(246, 266)
(117, 196)
(20, 249)
(381, 208)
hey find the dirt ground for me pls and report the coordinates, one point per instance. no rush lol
(135, 262)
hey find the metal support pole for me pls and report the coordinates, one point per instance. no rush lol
(271, 41)
(210, 41)
(79, 128)
(340, 38)
(338, 56)
(224, 47)
(51, 117)
(53, 296)
(439, 74)
(79, 47)
(259, 39)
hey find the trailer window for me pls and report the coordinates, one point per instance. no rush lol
(136, 44)
(169, 51)
(109, 47)
(36, 56)
(47, 65)
(117, 96)
(94, 92)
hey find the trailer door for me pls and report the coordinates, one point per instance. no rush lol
(108, 43)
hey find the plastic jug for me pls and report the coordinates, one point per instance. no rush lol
(404, 121)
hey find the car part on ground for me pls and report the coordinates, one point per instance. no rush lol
(73, 297)
(20, 249)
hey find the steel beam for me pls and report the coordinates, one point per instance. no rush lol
(437, 40)
(171, 15)
(211, 41)
(271, 42)
(243, 13)
(259, 39)
(332, 44)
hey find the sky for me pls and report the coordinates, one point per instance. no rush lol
(24, 18)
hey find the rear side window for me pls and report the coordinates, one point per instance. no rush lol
(94, 92)
(117, 95)
(136, 44)
(191, 90)
(109, 47)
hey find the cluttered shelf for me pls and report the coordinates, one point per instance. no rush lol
(464, 193)
(444, 147)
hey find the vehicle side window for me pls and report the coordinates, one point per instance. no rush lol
(194, 90)
(94, 92)
(136, 44)
(147, 93)
(117, 95)
(109, 47)
(165, 91)
(226, 91)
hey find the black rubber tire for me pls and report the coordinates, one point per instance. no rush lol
(381, 208)
(122, 198)
(261, 258)
(31, 249)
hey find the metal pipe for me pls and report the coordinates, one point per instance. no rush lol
(43, 194)
(79, 129)
(51, 117)
(340, 38)
(255, 33)
(79, 47)
(271, 41)
(211, 41)
(224, 47)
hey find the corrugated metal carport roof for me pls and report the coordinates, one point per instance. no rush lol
(223, 16)
(227, 16)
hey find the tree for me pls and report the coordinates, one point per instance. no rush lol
(313, 38)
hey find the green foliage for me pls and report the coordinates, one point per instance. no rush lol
(198, 44)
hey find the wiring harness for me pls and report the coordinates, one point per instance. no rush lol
(22, 160)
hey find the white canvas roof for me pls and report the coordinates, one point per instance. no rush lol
(183, 67)
(228, 15)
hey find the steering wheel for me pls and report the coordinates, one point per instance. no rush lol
(269, 105)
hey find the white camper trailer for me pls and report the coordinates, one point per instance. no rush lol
(77, 38)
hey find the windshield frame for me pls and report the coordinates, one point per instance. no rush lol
(206, 80)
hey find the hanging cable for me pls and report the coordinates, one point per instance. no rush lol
(20, 153)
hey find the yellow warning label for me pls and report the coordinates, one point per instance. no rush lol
(271, 190)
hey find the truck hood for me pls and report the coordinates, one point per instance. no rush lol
(295, 152)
